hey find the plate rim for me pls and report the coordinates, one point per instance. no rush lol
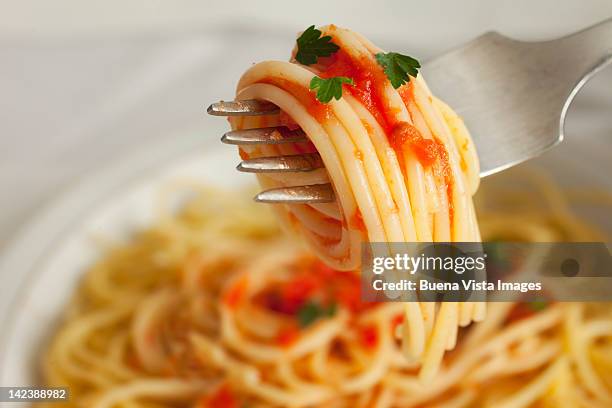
(39, 234)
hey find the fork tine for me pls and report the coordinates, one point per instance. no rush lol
(247, 107)
(311, 194)
(268, 135)
(282, 164)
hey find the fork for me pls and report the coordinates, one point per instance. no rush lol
(512, 95)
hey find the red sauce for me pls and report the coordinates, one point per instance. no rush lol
(397, 320)
(287, 336)
(405, 136)
(317, 282)
(357, 221)
(523, 310)
(343, 286)
(235, 293)
(429, 152)
(406, 92)
(369, 84)
(222, 398)
(318, 110)
(312, 281)
(288, 297)
(368, 336)
(243, 155)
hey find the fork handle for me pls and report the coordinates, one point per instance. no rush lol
(587, 51)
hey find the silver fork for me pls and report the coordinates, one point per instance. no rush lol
(513, 96)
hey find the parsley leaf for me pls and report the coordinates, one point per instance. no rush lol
(330, 311)
(311, 312)
(538, 305)
(398, 67)
(312, 46)
(329, 88)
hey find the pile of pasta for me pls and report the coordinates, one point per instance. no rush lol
(203, 310)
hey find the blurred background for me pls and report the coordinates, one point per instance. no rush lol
(86, 83)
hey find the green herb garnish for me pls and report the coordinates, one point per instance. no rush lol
(538, 305)
(311, 46)
(311, 312)
(398, 68)
(329, 88)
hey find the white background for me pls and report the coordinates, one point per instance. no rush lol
(421, 19)
(83, 83)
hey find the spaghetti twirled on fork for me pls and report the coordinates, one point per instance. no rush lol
(401, 162)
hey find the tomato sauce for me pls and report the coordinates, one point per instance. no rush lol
(524, 310)
(405, 136)
(429, 152)
(243, 155)
(369, 83)
(222, 398)
(397, 320)
(368, 337)
(311, 282)
(318, 110)
(357, 221)
(235, 293)
(288, 297)
(314, 281)
(287, 336)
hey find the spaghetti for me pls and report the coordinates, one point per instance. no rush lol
(401, 162)
(208, 310)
